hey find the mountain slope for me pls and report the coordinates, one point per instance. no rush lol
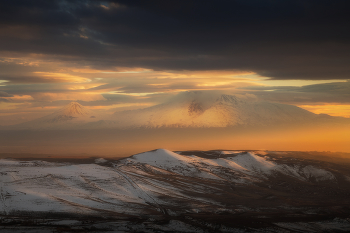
(250, 166)
(196, 109)
(218, 192)
(186, 110)
(162, 182)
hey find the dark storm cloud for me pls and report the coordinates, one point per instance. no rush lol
(4, 94)
(28, 89)
(278, 39)
(27, 79)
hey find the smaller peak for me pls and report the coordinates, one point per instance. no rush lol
(158, 155)
(74, 109)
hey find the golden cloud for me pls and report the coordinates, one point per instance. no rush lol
(342, 110)
(63, 77)
(85, 96)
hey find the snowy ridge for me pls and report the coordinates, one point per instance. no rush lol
(249, 165)
(149, 183)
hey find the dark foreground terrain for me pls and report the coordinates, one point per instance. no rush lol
(190, 191)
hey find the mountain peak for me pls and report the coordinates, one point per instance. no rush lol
(74, 109)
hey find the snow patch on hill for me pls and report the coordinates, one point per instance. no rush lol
(247, 164)
(101, 160)
(142, 183)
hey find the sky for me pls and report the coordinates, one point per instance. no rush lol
(117, 55)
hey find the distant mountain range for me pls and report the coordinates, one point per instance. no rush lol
(195, 109)
(74, 115)
(186, 110)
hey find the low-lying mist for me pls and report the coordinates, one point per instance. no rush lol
(120, 143)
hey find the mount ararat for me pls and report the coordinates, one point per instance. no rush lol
(186, 110)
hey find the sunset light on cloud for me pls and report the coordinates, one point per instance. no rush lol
(86, 84)
(116, 56)
(342, 110)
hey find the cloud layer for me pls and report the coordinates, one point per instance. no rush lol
(114, 55)
(288, 39)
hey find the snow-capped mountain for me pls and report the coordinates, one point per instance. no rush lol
(162, 184)
(73, 110)
(197, 109)
(70, 116)
(186, 110)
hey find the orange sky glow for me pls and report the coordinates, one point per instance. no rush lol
(115, 60)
